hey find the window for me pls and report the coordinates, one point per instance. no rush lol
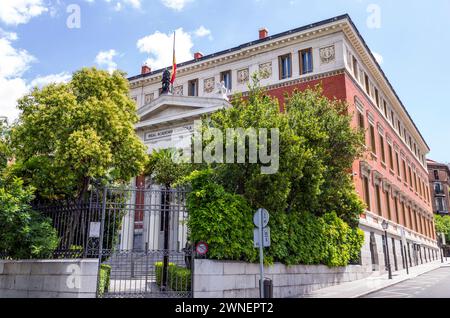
(436, 174)
(355, 67)
(366, 83)
(415, 181)
(388, 206)
(397, 218)
(399, 127)
(398, 163)
(438, 189)
(383, 153)
(193, 88)
(377, 98)
(410, 177)
(306, 62)
(391, 158)
(440, 205)
(366, 192)
(285, 66)
(373, 145)
(225, 77)
(378, 196)
(362, 125)
(405, 174)
(385, 109)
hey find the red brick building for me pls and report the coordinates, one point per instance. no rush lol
(392, 177)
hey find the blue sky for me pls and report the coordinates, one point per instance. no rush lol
(37, 45)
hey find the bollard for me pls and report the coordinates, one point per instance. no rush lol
(268, 288)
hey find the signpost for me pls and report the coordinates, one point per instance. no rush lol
(261, 238)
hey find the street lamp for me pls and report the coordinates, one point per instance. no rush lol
(385, 226)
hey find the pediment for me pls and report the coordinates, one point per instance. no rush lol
(165, 110)
(167, 107)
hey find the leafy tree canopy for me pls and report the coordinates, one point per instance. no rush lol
(317, 147)
(443, 225)
(70, 134)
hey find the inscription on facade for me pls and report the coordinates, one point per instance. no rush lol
(152, 135)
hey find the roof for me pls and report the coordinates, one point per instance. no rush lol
(245, 45)
(279, 35)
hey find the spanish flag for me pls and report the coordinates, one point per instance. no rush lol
(174, 65)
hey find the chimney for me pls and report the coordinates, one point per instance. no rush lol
(198, 55)
(145, 69)
(263, 33)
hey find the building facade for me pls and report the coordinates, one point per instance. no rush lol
(392, 176)
(439, 176)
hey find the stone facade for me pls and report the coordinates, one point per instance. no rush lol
(392, 176)
(48, 278)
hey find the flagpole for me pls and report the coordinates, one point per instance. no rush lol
(174, 60)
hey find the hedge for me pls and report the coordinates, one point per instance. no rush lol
(224, 221)
(178, 278)
(104, 279)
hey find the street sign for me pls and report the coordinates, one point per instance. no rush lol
(201, 248)
(443, 239)
(266, 237)
(256, 219)
(94, 229)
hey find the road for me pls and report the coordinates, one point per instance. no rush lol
(435, 284)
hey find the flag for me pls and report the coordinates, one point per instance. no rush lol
(174, 65)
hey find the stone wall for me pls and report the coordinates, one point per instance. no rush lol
(65, 278)
(217, 279)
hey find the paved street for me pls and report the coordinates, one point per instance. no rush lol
(435, 284)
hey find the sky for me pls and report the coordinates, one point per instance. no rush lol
(44, 41)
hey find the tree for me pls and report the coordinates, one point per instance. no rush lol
(443, 225)
(70, 134)
(317, 147)
(24, 233)
(162, 168)
(5, 150)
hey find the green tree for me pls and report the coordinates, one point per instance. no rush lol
(5, 150)
(70, 134)
(443, 225)
(317, 147)
(161, 166)
(24, 233)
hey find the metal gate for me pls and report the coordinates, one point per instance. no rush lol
(145, 250)
(140, 236)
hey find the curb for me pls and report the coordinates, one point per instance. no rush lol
(400, 281)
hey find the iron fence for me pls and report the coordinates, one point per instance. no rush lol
(140, 236)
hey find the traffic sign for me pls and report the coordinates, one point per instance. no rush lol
(201, 248)
(256, 219)
(266, 237)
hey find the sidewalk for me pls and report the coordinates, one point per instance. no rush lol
(372, 284)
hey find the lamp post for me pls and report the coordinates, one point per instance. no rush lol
(385, 226)
(441, 245)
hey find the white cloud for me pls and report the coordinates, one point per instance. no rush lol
(202, 31)
(378, 57)
(41, 81)
(13, 64)
(105, 58)
(16, 12)
(176, 5)
(159, 46)
(118, 5)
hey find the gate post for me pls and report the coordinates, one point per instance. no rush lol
(102, 226)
